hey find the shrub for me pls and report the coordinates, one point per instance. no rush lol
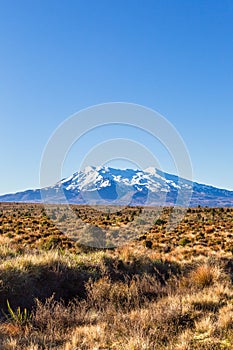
(148, 244)
(204, 275)
(159, 222)
(184, 241)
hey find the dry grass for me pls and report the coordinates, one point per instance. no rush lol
(204, 275)
(131, 298)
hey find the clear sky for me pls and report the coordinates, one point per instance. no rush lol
(57, 57)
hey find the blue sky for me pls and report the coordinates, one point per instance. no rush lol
(59, 57)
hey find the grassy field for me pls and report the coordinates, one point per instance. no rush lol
(162, 289)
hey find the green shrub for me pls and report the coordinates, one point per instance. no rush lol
(19, 317)
(159, 222)
(184, 241)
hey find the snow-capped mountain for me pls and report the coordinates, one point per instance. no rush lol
(105, 185)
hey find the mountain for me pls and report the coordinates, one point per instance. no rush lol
(105, 185)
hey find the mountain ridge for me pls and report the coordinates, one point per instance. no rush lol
(112, 186)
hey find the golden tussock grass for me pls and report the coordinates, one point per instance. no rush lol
(175, 293)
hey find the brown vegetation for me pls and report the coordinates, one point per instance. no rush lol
(174, 293)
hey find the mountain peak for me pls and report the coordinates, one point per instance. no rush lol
(151, 170)
(88, 168)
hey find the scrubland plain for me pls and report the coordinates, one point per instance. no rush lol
(161, 289)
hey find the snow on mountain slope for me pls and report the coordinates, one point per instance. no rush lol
(106, 185)
(95, 178)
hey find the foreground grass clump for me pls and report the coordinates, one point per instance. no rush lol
(205, 275)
